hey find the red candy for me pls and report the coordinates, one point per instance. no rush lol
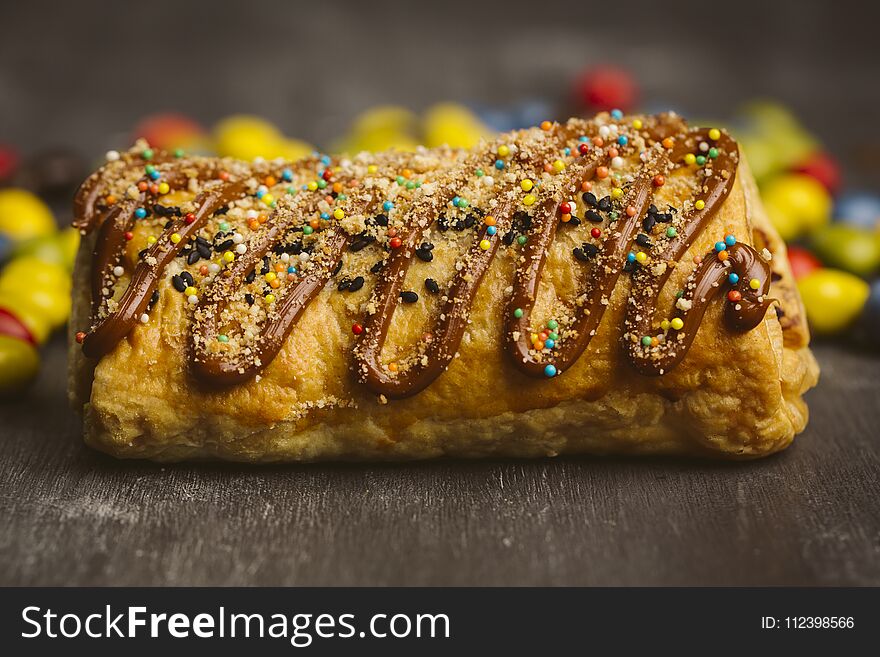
(395, 242)
(596, 232)
(802, 261)
(565, 207)
(606, 88)
(168, 131)
(357, 329)
(13, 327)
(823, 168)
(734, 296)
(583, 149)
(8, 162)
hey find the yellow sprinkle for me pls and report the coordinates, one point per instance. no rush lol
(617, 192)
(637, 124)
(270, 298)
(677, 323)
(529, 199)
(271, 276)
(526, 184)
(229, 256)
(503, 150)
(641, 256)
(690, 158)
(164, 188)
(339, 213)
(714, 134)
(754, 283)
(372, 168)
(700, 204)
(312, 186)
(559, 165)
(485, 244)
(190, 291)
(664, 325)
(268, 199)
(175, 237)
(151, 240)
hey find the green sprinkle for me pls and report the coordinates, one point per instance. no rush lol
(553, 335)
(179, 152)
(322, 184)
(292, 190)
(400, 180)
(671, 232)
(701, 160)
(522, 239)
(341, 197)
(613, 215)
(224, 226)
(713, 153)
(480, 173)
(518, 313)
(147, 153)
(222, 338)
(149, 169)
(410, 184)
(552, 324)
(646, 340)
(307, 230)
(679, 294)
(463, 203)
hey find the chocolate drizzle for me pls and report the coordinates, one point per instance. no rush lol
(210, 363)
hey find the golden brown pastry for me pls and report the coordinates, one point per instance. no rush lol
(603, 286)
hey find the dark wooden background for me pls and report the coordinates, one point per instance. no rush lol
(81, 74)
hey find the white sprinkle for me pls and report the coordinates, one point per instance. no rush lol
(704, 146)
(193, 299)
(488, 181)
(118, 271)
(213, 267)
(112, 156)
(604, 131)
(617, 162)
(238, 238)
(285, 257)
(252, 214)
(240, 249)
(303, 257)
(145, 318)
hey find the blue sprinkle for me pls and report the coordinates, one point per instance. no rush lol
(499, 164)
(325, 216)
(566, 151)
(491, 230)
(730, 240)
(387, 206)
(456, 200)
(623, 140)
(287, 174)
(155, 175)
(631, 257)
(261, 193)
(291, 270)
(616, 114)
(140, 213)
(733, 279)
(550, 371)
(583, 138)
(325, 160)
(549, 343)
(720, 246)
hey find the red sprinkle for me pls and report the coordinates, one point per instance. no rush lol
(734, 295)
(80, 336)
(596, 232)
(224, 175)
(565, 207)
(583, 149)
(142, 185)
(327, 175)
(129, 235)
(659, 180)
(189, 218)
(395, 242)
(357, 329)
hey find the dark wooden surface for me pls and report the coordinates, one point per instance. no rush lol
(72, 516)
(810, 515)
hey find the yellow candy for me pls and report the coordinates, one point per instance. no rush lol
(175, 237)
(339, 213)
(24, 216)
(270, 298)
(832, 298)
(641, 256)
(526, 185)
(690, 158)
(58, 249)
(558, 165)
(796, 204)
(529, 199)
(53, 306)
(228, 256)
(616, 193)
(190, 291)
(485, 244)
(28, 313)
(454, 125)
(699, 205)
(714, 134)
(292, 149)
(503, 150)
(246, 137)
(164, 188)
(664, 325)
(677, 323)
(637, 124)
(19, 364)
(29, 271)
(754, 283)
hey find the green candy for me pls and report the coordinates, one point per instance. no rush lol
(19, 364)
(848, 247)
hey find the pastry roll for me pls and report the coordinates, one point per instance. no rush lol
(595, 286)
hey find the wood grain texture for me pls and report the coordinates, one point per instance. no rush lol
(69, 515)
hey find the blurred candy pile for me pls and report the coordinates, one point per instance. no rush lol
(833, 235)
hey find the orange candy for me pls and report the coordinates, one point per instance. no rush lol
(602, 172)
(723, 255)
(630, 211)
(315, 224)
(669, 142)
(546, 125)
(337, 187)
(613, 152)
(392, 367)
(263, 218)
(270, 181)
(110, 199)
(586, 186)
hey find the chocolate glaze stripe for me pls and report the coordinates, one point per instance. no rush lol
(115, 326)
(600, 281)
(703, 283)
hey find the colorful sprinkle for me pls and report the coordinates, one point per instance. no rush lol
(550, 371)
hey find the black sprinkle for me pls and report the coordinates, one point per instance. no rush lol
(266, 266)
(426, 246)
(187, 278)
(204, 250)
(642, 240)
(356, 284)
(377, 267)
(224, 246)
(629, 266)
(590, 249)
(424, 255)
(202, 240)
(469, 221)
(193, 257)
(522, 221)
(409, 297)
(168, 224)
(342, 286)
(508, 238)
(142, 253)
(249, 298)
(652, 209)
(574, 221)
(361, 241)
(605, 204)
(585, 252)
(222, 210)
(663, 217)
(593, 216)
(432, 285)
(648, 223)
(250, 277)
(154, 299)
(178, 283)
(337, 268)
(442, 223)
(590, 199)
(381, 219)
